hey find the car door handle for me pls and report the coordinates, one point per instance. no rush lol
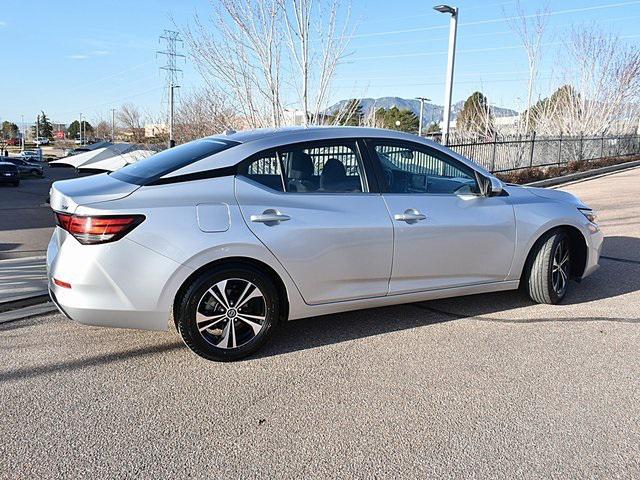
(410, 215)
(270, 217)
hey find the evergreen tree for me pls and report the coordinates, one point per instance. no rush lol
(351, 115)
(43, 127)
(565, 98)
(475, 118)
(74, 129)
(9, 130)
(433, 127)
(396, 119)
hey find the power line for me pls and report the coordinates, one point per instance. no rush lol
(172, 39)
(496, 20)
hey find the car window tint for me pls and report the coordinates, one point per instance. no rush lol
(264, 170)
(153, 167)
(410, 168)
(329, 168)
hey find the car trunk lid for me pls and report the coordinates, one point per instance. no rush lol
(67, 195)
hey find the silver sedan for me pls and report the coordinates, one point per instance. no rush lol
(229, 235)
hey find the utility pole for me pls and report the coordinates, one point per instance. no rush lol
(422, 100)
(37, 127)
(113, 125)
(80, 129)
(172, 39)
(453, 31)
(24, 133)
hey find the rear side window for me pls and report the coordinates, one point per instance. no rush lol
(319, 167)
(265, 170)
(152, 168)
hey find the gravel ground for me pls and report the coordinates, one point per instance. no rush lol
(470, 387)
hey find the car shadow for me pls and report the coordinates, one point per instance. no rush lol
(617, 276)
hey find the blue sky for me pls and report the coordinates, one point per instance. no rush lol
(79, 56)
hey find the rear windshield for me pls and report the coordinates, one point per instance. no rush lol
(152, 168)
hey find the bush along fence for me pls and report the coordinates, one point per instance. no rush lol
(510, 154)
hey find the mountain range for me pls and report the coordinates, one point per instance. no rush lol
(432, 112)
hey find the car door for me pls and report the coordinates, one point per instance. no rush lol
(310, 204)
(445, 233)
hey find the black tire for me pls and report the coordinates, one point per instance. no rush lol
(204, 344)
(544, 282)
(16, 184)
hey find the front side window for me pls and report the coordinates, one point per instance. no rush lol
(412, 168)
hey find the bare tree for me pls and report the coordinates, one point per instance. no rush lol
(102, 129)
(601, 78)
(260, 53)
(203, 112)
(132, 122)
(530, 29)
(316, 48)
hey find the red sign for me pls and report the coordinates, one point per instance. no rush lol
(59, 134)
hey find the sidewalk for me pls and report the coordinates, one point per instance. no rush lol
(22, 278)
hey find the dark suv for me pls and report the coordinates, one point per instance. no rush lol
(25, 167)
(9, 174)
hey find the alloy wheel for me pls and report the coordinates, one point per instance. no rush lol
(231, 313)
(560, 268)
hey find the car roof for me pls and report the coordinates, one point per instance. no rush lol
(307, 133)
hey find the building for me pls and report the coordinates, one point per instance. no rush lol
(153, 130)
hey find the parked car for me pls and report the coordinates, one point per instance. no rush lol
(13, 142)
(231, 234)
(9, 173)
(26, 168)
(41, 141)
(30, 156)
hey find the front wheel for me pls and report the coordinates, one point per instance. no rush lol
(228, 313)
(549, 271)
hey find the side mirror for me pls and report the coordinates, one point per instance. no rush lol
(496, 187)
(489, 186)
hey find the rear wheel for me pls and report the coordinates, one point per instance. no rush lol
(228, 313)
(549, 271)
(16, 183)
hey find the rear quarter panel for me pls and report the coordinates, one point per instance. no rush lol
(175, 228)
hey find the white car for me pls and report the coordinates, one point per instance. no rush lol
(41, 141)
(30, 156)
(231, 234)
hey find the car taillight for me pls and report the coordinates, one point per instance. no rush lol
(90, 230)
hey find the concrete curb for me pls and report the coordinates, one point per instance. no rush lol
(26, 312)
(572, 177)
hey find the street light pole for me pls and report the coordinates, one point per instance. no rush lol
(422, 100)
(80, 129)
(113, 125)
(24, 133)
(453, 31)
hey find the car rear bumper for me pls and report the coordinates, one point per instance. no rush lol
(119, 284)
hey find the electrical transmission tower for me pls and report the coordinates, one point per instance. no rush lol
(171, 39)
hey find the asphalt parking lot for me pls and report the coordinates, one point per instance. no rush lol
(26, 221)
(473, 387)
